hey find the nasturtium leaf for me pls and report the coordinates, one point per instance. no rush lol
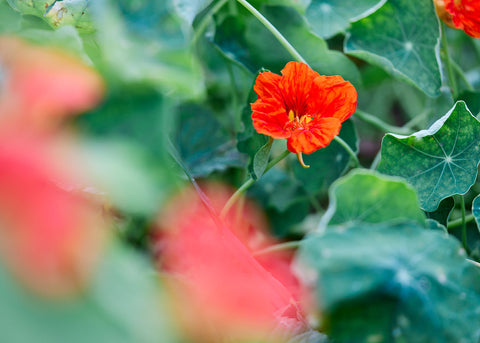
(9, 18)
(327, 164)
(472, 99)
(391, 283)
(402, 37)
(122, 305)
(365, 196)
(145, 42)
(58, 13)
(203, 143)
(328, 17)
(476, 210)
(260, 160)
(438, 162)
(443, 211)
(432, 224)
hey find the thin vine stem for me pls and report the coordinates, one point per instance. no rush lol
(464, 224)
(451, 76)
(247, 184)
(202, 25)
(278, 247)
(286, 44)
(353, 155)
(380, 124)
(460, 73)
(458, 222)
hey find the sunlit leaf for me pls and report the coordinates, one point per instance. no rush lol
(391, 283)
(402, 37)
(328, 17)
(58, 13)
(318, 178)
(383, 198)
(107, 312)
(438, 162)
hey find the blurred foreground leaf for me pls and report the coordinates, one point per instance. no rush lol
(122, 305)
(438, 162)
(392, 283)
(403, 38)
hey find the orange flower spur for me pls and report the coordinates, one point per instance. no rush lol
(302, 106)
(465, 15)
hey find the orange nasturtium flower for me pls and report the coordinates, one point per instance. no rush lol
(463, 14)
(302, 106)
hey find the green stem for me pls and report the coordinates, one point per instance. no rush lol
(278, 247)
(352, 153)
(380, 124)
(451, 76)
(458, 222)
(286, 44)
(464, 225)
(460, 73)
(202, 25)
(246, 185)
(376, 160)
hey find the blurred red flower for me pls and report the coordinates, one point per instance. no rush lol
(50, 238)
(219, 282)
(302, 106)
(465, 15)
(41, 85)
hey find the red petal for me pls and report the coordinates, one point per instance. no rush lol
(465, 15)
(318, 135)
(266, 86)
(269, 118)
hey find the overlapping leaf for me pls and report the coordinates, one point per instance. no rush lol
(438, 162)
(383, 198)
(392, 283)
(476, 210)
(326, 164)
(403, 38)
(328, 17)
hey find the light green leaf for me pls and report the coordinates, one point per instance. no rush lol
(9, 19)
(365, 196)
(122, 305)
(145, 42)
(260, 160)
(476, 210)
(329, 17)
(58, 13)
(402, 37)
(391, 283)
(188, 9)
(327, 164)
(438, 162)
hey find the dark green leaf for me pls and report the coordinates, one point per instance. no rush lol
(476, 210)
(202, 142)
(326, 164)
(443, 211)
(365, 196)
(328, 17)
(402, 37)
(392, 283)
(438, 162)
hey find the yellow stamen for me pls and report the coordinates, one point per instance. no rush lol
(291, 115)
(300, 160)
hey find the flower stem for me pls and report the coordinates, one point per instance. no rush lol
(459, 221)
(286, 44)
(380, 124)
(460, 73)
(451, 76)
(278, 247)
(464, 225)
(246, 185)
(352, 153)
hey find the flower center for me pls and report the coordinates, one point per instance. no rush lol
(298, 122)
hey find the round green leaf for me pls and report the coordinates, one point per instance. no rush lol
(443, 211)
(392, 283)
(369, 197)
(476, 210)
(438, 162)
(328, 17)
(402, 37)
(260, 160)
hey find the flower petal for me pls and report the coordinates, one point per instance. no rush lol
(270, 118)
(332, 96)
(465, 15)
(316, 136)
(266, 86)
(296, 85)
